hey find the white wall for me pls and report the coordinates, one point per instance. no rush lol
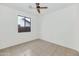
(9, 35)
(62, 27)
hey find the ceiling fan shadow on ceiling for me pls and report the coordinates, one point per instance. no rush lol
(38, 7)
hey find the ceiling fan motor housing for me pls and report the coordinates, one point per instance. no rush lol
(37, 6)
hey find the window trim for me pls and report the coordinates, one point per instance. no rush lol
(30, 23)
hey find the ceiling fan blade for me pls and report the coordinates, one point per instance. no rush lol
(38, 10)
(43, 7)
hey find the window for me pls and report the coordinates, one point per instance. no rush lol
(24, 24)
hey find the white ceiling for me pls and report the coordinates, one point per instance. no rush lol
(25, 7)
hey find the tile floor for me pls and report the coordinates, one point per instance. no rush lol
(38, 48)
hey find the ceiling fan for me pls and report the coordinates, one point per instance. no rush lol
(38, 7)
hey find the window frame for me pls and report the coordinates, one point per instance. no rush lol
(30, 23)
